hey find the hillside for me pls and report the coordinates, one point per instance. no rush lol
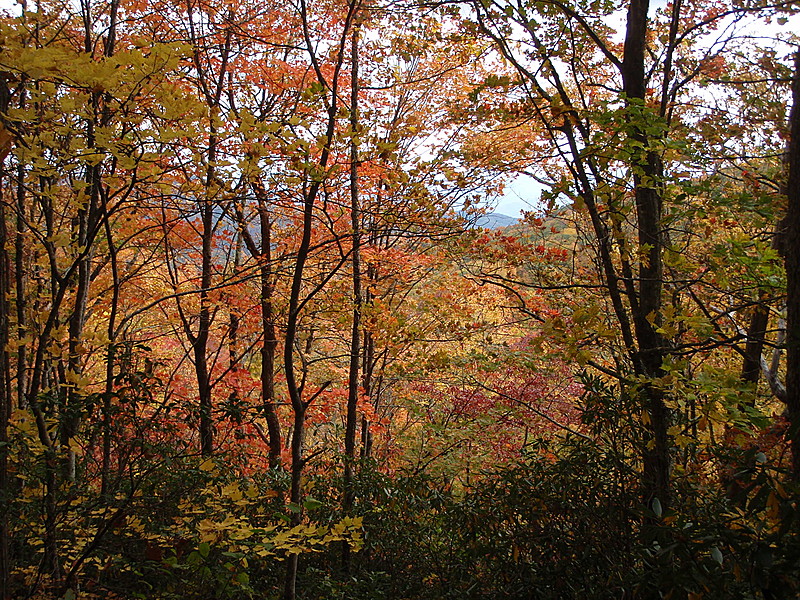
(495, 220)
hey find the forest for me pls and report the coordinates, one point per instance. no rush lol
(259, 341)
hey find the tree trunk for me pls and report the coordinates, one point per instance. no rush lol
(314, 177)
(19, 275)
(648, 173)
(212, 92)
(5, 401)
(351, 420)
(792, 262)
(200, 342)
(105, 474)
(270, 343)
(262, 253)
(295, 497)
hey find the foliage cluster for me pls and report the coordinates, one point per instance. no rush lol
(252, 344)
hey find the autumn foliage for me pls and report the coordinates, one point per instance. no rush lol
(255, 344)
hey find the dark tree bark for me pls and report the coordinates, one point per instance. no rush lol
(647, 176)
(200, 340)
(792, 262)
(351, 420)
(105, 469)
(262, 253)
(5, 400)
(6, 393)
(635, 297)
(314, 177)
(270, 343)
(211, 88)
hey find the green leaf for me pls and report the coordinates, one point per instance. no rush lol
(171, 561)
(656, 505)
(204, 549)
(716, 554)
(312, 503)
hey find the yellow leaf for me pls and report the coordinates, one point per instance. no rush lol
(60, 240)
(232, 491)
(75, 446)
(773, 506)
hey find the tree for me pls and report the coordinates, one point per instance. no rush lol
(611, 122)
(791, 250)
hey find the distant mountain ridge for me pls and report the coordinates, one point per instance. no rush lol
(494, 220)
